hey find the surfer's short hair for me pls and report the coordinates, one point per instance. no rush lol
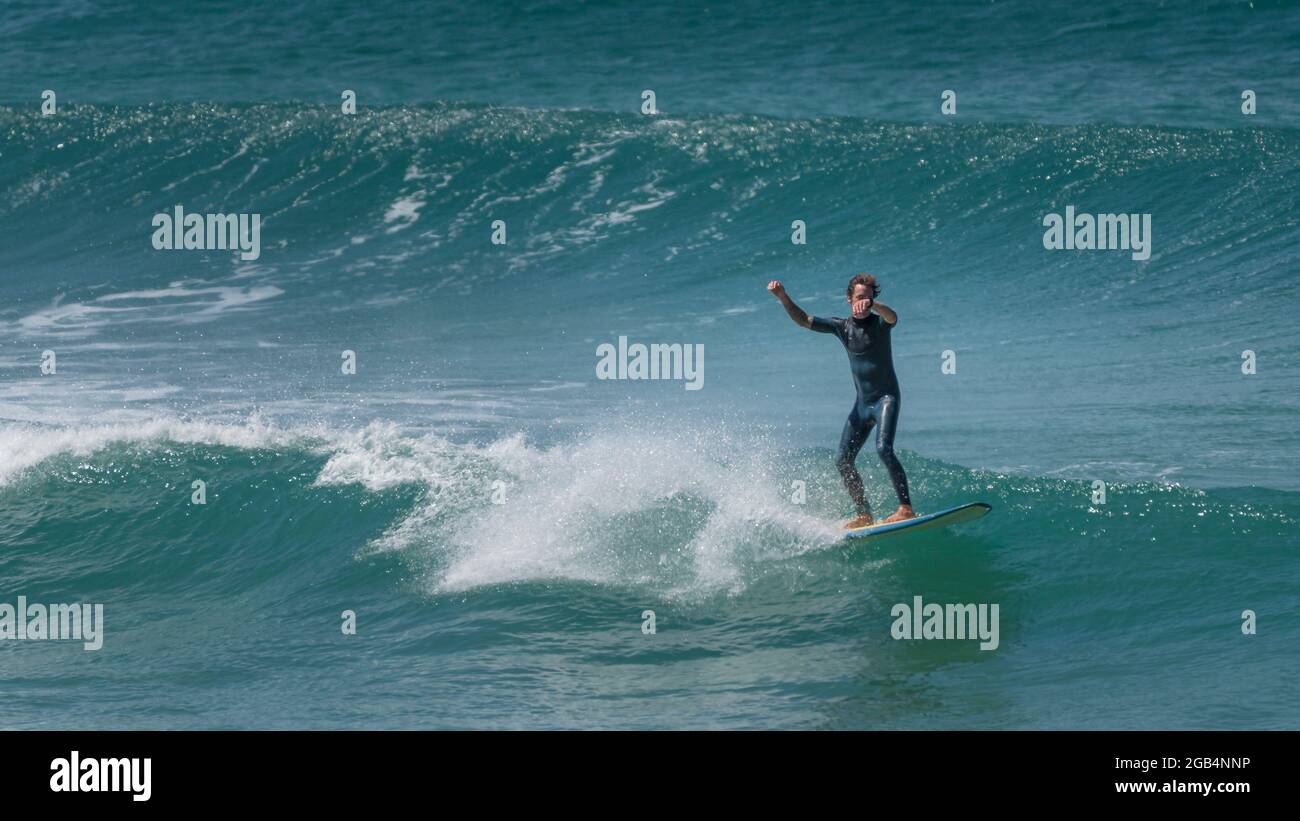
(863, 279)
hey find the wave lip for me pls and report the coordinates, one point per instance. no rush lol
(26, 445)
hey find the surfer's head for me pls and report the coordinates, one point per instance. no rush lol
(862, 286)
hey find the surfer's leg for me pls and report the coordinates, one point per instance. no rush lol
(886, 411)
(854, 434)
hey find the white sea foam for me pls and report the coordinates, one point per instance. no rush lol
(23, 446)
(404, 211)
(684, 511)
(176, 303)
(624, 507)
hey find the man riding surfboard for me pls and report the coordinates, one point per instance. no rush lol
(865, 337)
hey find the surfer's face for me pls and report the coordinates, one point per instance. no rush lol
(858, 300)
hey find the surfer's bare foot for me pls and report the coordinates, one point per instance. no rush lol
(863, 520)
(903, 513)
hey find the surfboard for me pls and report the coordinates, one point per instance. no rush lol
(951, 516)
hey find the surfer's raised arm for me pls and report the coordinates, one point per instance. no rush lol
(796, 313)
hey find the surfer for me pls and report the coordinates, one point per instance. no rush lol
(866, 338)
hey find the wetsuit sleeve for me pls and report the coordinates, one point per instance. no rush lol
(823, 326)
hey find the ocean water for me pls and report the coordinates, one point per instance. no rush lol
(500, 520)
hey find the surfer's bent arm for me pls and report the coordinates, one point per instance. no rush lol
(886, 313)
(796, 313)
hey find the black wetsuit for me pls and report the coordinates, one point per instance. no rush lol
(872, 364)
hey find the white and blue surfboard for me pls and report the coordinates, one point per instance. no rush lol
(951, 516)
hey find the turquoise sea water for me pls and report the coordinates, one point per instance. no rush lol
(497, 517)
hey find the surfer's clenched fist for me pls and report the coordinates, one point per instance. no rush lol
(795, 312)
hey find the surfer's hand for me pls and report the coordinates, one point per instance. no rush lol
(862, 307)
(777, 289)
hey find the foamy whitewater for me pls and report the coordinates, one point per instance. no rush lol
(499, 519)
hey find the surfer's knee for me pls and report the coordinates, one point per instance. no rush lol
(885, 450)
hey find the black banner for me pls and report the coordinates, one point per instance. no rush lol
(235, 770)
